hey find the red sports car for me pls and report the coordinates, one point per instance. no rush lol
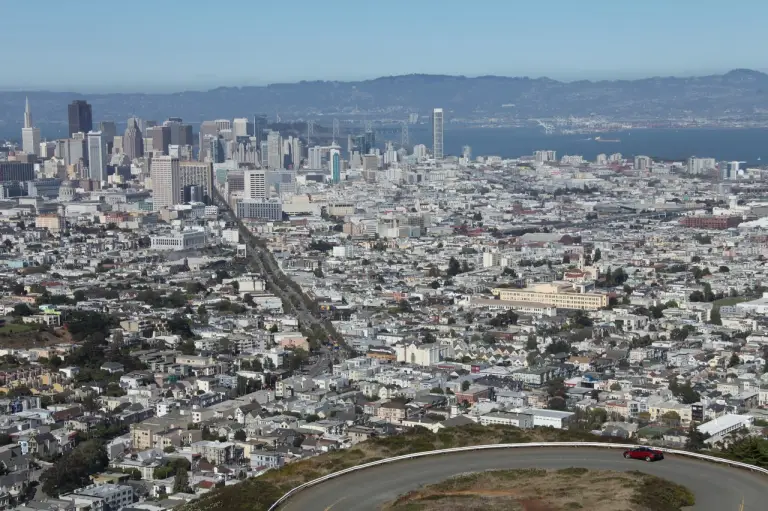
(644, 453)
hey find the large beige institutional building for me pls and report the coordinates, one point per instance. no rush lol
(563, 295)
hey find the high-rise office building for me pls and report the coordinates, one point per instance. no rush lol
(215, 149)
(246, 151)
(97, 156)
(334, 162)
(165, 181)
(75, 151)
(274, 150)
(185, 135)
(80, 117)
(297, 150)
(161, 138)
(255, 184)
(133, 142)
(242, 127)
(109, 131)
(223, 124)
(174, 130)
(370, 141)
(259, 127)
(264, 154)
(16, 171)
(30, 136)
(315, 157)
(437, 133)
(194, 174)
(208, 130)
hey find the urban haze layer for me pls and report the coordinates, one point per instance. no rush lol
(189, 305)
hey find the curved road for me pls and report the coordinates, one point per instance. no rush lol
(717, 487)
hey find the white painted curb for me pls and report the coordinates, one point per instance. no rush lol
(604, 445)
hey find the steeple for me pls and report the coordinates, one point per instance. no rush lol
(27, 116)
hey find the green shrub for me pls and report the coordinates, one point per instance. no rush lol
(657, 494)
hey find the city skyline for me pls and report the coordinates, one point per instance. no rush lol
(562, 41)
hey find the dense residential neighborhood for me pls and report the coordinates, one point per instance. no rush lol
(151, 355)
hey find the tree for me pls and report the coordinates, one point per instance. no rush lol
(715, 318)
(597, 255)
(465, 385)
(73, 470)
(187, 347)
(181, 481)
(556, 388)
(615, 387)
(21, 310)
(734, 361)
(240, 435)
(724, 269)
(531, 344)
(299, 357)
(557, 403)
(454, 267)
(169, 449)
(696, 439)
(559, 346)
(684, 392)
(671, 418)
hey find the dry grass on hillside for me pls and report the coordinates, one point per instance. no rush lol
(546, 490)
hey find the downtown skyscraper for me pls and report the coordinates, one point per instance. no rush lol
(97, 156)
(30, 136)
(80, 117)
(334, 162)
(133, 142)
(437, 134)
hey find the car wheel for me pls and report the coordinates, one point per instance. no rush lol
(626, 455)
(647, 458)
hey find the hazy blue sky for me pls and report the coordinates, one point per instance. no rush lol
(151, 45)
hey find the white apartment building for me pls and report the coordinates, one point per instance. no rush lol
(520, 420)
(178, 241)
(255, 184)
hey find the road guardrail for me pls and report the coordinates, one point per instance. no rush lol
(453, 450)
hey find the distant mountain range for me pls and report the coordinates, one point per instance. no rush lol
(741, 93)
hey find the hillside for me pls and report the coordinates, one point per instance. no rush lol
(258, 494)
(739, 93)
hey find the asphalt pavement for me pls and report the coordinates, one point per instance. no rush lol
(716, 487)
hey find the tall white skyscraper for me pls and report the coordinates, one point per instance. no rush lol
(437, 134)
(242, 127)
(223, 124)
(315, 157)
(165, 181)
(97, 156)
(297, 148)
(274, 150)
(30, 136)
(255, 184)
